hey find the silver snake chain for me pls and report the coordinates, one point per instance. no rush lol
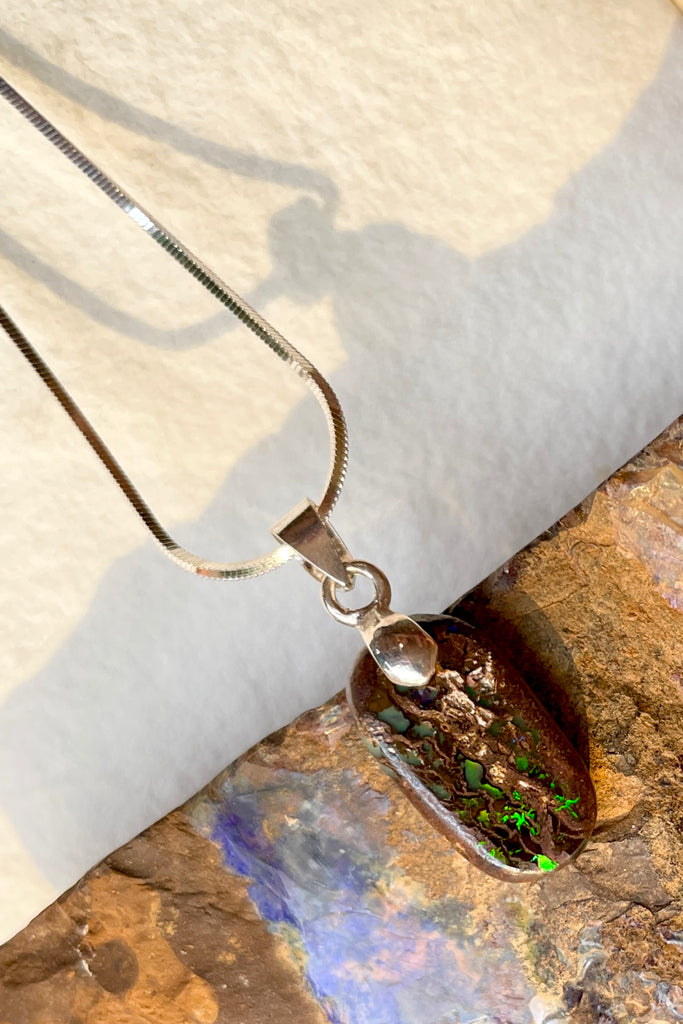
(227, 297)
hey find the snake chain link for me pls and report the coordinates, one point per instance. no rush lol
(227, 297)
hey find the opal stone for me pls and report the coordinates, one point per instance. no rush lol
(479, 756)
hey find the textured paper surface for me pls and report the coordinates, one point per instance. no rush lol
(470, 219)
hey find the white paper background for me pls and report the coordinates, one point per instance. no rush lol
(469, 216)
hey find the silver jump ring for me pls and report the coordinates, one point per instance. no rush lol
(353, 616)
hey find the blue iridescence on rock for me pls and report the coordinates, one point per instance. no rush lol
(322, 871)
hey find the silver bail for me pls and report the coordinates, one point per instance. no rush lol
(404, 651)
(312, 537)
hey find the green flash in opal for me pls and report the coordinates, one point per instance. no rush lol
(545, 863)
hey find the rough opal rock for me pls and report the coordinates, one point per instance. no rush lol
(478, 756)
(302, 887)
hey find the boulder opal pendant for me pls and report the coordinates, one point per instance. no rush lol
(453, 723)
(479, 756)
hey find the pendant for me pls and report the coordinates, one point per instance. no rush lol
(454, 724)
(479, 756)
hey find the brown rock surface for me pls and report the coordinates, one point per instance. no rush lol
(302, 886)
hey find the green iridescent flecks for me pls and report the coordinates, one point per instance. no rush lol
(545, 863)
(479, 756)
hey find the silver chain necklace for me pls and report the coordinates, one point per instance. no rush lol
(228, 298)
(401, 648)
(454, 723)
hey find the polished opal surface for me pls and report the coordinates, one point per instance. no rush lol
(479, 756)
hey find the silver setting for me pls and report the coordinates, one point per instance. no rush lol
(402, 649)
